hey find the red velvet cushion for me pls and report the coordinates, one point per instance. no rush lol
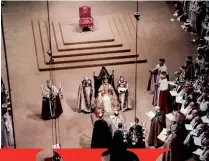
(86, 21)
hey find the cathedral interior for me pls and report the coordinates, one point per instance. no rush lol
(25, 31)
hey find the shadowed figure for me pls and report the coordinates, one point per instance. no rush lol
(118, 150)
(101, 136)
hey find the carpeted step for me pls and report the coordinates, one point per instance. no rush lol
(56, 53)
(122, 29)
(44, 67)
(93, 63)
(64, 46)
(90, 58)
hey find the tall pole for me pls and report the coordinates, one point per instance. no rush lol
(136, 15)
(55, 125)
(8, 78)
(48, 16)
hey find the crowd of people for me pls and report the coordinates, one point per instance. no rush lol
(186, 98)
(195, 15)
(7, 138)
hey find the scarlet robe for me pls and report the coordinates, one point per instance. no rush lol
(162, 96)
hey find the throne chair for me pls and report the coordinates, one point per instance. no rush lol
(85, 18)
(98, 80)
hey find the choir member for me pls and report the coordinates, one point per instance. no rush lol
(101, 136)
(179, 77)
(177, 146)
(190, 71)
(192, 89)
(184, 90)
(157, 125)
(191, 114)
(190, 106)
(196, 121)
(85, 96)
(167, 156)
(124, 97)
(203, 101)
(198, 86)
(195, 132)
(205, 155)
(199, 64)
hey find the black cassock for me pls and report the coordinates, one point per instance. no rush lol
(56, 108)
(101, 136)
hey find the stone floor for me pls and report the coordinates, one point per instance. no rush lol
(160, 37)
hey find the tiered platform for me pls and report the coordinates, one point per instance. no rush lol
(111, 43)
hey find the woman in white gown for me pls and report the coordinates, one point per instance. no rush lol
(107, 100)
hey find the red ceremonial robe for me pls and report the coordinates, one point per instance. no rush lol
(162, 96)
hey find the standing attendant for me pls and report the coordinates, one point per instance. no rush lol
(156, 127)
(162, 96)
(85, 96)
(155, 74)
(114, 121)
(51, 104)
(101, 136)
(124, 97)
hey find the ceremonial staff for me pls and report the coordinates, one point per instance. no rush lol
(137, 16)
(7, 71)
(55, 120)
